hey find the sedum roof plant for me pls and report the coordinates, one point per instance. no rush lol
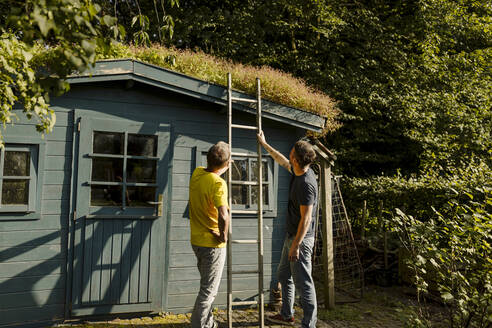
(277, 86)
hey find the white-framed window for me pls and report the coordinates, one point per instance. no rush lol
(244, 171)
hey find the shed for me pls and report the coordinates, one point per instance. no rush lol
(83, 230)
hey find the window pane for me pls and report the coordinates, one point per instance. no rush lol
(15, 192)
(106, 195)
(142, 145)
(141, 170)
(240, 169)
(107, 169)
(140, 196)
(108, 143)
(254, 194)
(239, 195)
(16, 163)
(254, 171)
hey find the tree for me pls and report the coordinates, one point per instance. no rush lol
(145, 21)
(27, 77)
(411, 77)
(415, 86)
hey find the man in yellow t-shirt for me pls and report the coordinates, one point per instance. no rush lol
(209, 224)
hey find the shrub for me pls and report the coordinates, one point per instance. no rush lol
(414, 196)
(453, 252)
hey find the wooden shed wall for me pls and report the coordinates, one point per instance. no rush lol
(196, 125)
(183, 274)
(33, 252)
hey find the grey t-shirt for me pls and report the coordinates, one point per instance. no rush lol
(303, 191)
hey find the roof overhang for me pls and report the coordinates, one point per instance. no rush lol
(129, 69)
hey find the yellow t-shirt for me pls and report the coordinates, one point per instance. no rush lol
(208, 191)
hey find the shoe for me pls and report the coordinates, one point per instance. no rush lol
(280, 320)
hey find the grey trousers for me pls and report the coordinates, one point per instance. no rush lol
(297, 275)
(210, 263)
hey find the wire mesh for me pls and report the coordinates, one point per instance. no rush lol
(348, 270)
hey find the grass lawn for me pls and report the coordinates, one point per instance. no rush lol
(380, 307)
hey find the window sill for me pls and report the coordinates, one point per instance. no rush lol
(17, 216)
(122, 217)
(266, 214)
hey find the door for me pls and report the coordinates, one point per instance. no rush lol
(120, 214)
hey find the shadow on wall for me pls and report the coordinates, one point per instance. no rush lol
(23, 283)
(118, 262)
(112, 264)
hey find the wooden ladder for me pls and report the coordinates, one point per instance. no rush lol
(259, 211)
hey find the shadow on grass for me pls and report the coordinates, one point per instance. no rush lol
(155, 325)
(129, 324)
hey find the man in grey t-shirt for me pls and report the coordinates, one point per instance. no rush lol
(303, 190)
(295, 264)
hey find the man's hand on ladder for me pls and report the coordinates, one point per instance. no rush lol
(261, 138)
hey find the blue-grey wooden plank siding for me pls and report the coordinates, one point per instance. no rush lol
(111, 248)
(196, 125)
(33, 253)
(183, 275)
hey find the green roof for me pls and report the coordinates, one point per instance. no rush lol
(130, 69)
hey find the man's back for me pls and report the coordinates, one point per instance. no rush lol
(208, 191)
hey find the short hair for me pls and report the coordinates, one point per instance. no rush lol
(304, 153)
(218, 154)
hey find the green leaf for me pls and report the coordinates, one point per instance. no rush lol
(88, 46)
(134, 20)
(44, 24)
(79, 19)
(447, 296)
(109, 20)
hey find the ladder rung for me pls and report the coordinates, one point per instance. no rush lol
(244, 154)
(244, 241)
(244, 100)
(246, 127)
(244, 211)
(249, 183)
(245, 271)
(244, 303)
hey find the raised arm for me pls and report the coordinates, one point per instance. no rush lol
(276, 155)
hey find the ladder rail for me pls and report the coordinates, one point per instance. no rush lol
(229, 186)
(259, 184)
(259, 201)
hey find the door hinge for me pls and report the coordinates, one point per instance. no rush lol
(161, 203)
(74, 215)
(78, 126)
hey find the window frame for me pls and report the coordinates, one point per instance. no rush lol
(269, 210)
(130, 210)
(36, 147)
(89, 125)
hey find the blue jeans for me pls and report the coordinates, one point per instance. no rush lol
(298, 274)
(210, 263)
